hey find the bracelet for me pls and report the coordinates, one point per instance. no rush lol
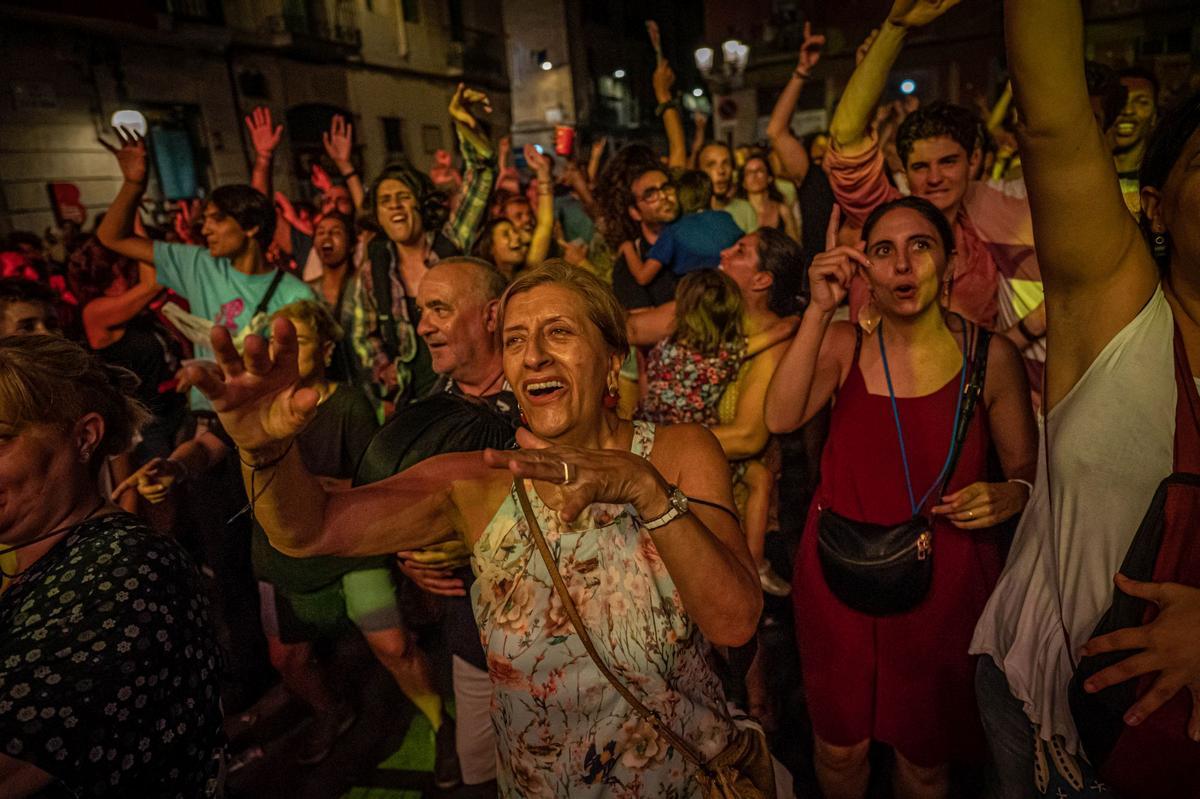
(662, 107)
(1026, 332)
(348, 175)
(1025, 483)
(801, 74)
(258, 467)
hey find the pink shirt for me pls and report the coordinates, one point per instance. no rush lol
(996, 275)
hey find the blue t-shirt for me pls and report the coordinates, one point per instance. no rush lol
(694, 241)
(217, 291)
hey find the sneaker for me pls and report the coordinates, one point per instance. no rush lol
(446, 771)
(323, 733)
(771, 582)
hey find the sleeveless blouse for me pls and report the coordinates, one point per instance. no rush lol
(562, 729)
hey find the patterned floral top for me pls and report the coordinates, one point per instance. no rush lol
(562, 729)
(685, 385)
(109, 667)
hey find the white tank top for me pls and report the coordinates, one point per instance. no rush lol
(1106, 446)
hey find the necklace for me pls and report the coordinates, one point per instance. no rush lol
(56, 531)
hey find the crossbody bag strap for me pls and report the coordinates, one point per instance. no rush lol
(266, 298)
(572, 612)
(971, 395)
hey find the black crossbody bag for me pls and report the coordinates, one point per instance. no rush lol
(882, 570)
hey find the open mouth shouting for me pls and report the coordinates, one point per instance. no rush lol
(544, 391)
(905, 291)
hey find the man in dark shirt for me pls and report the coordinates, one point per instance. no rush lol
(459, 300)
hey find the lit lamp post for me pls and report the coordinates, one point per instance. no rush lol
(723, 80)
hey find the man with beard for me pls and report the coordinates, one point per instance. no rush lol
(1132, 131)
(637, 200)
(411, 215)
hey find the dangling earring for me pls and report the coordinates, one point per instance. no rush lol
(1161, 247)
(947, 287)
(85, 455)
(524, 418)
(612, 396)
(868, 315)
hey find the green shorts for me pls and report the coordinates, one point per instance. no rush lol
(367, 598)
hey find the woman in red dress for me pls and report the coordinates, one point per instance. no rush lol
(904, 679)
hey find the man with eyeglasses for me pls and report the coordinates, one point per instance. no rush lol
(638, 196)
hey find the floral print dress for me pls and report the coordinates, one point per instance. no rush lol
(685, 385)
(562, 729)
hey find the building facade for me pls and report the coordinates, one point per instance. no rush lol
(195, 68)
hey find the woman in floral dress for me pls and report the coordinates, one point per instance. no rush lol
(596, 485)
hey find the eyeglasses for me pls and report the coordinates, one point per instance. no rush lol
(656, 193)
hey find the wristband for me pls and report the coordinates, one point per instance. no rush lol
(1025, 483)
(662, 107)
(350, 174)
(801, 74)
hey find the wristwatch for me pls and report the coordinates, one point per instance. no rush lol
(678, 506)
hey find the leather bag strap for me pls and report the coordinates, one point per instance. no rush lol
(572, 612)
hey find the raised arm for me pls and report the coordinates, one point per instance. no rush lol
(260, 405)
(479, 165)
(265, 138)
(664, 83)
(543, 233)
(339, 145)
(1097, 271)
(849, 125)
(818, 358)
(116, 230)
(792, 153)
(103, 314)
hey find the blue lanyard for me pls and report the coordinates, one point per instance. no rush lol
(900, 430)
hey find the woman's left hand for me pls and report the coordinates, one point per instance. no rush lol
(981, 505)
(568, 479)
(1168, 645)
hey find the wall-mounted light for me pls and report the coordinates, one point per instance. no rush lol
(697, 92)
(704, 60)
(547, 66)
(908, 86)
(618, 74)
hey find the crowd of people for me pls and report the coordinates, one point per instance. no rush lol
(542, 398)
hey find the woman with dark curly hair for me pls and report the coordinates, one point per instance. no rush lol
(115, 294)
(411, 214)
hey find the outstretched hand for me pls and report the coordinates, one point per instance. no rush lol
(154, 480)
(607, 475)
(257, 394)
(539, 163)
(916, 13)
(810, 49)
(263, 136)
(461, 102)
(1168, 645)
(339, 141)
(131, 154)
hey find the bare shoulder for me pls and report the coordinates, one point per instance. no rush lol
(686, 450)
(1005, 369)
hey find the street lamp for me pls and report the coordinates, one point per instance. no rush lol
(735, 55)
(704, 60)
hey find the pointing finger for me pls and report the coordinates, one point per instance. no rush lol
(835, 224)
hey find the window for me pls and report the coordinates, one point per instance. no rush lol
(393, 135)
(411, 10)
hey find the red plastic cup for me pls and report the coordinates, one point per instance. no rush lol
(564, 140)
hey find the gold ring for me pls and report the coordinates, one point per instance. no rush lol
(970, 514)
(568, 473)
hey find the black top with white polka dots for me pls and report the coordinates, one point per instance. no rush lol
(109, 666)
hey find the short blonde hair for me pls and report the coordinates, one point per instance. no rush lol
(602, 306)
(315, 315)
(50, 380)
